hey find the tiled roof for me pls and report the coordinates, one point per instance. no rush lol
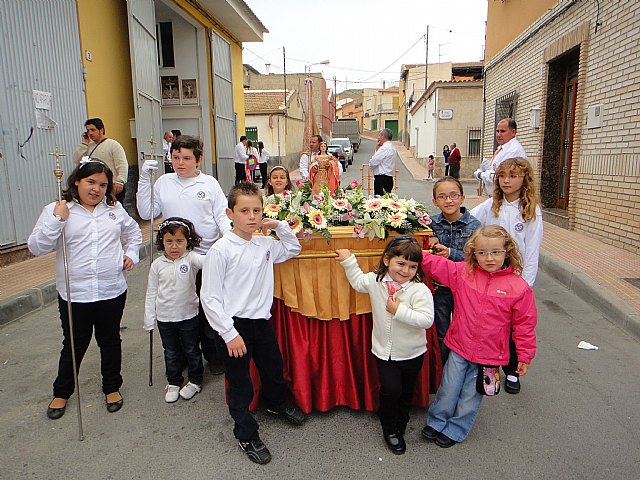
(265, 100)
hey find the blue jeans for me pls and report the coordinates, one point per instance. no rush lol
(178, 339)
(457, 402)
(443, 308)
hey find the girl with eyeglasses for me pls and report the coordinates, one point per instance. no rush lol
(514, 205)
(491, 300)
(402, 311)
(451, 228)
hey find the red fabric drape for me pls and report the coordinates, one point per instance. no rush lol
(329, 363)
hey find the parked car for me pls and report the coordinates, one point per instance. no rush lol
(346, 146)
(338, 152)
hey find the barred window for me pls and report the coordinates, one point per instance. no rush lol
(474, 135)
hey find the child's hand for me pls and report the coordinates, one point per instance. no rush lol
(269, 224)
(441, 250)
(61, 209)
(236, 347)
(522, 369)
(343, 254)
(127, 264)
(392, 305)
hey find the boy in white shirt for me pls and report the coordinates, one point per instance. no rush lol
(196, 196)
(237, 293)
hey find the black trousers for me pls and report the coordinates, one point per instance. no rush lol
(241, 174)
(443, 309)
(512, 366)
(263, 174)
(211, 350)
(446, 170)
(454, 170)
(397, 380)
(382, 184)
(262, 346)
(103, 316)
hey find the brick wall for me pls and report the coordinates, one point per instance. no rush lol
(605, 175)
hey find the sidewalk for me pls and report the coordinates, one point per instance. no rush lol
(591, 269)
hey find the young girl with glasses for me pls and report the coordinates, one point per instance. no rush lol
(402, 311)
(514, 205)
(491, 299)
(451, 228)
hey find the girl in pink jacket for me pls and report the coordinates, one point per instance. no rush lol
(491, 299)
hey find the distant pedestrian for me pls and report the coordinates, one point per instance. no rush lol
(402, 311)
(240, 159)
(94, 224)
(455, 161)
(514, 206)
(172, 303)
(95, 144)
(445, 155)
(263, 162)
(383, 163)
(191, 194)
(491, 298)
(237, 293)
(430, 166)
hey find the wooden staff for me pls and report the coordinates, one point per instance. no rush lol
(58, 173)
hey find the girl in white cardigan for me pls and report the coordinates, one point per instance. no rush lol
(402, 310)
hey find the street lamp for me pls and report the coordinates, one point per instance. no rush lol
(307, 68)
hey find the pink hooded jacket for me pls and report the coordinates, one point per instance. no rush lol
(487, 307)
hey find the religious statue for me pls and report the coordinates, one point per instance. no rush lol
(324, 171)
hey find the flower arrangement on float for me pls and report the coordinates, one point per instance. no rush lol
(370, 217)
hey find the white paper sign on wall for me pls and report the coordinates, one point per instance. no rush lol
(445, 114)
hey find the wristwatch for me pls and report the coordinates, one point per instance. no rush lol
(59, 218)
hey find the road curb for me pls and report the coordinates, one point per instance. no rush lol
(37, 298)
(607, 303)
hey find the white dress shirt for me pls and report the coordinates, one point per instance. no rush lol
(198, 199)
(528, 235)
(401, 336)
(237, 277)
(511, 149)
(383, 161)
(240, 153)
(305, 164)
(264, 156)
(171, 289)
(94, 249)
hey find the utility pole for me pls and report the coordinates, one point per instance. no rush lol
(335, 98)
(426, 71)
(284, 76)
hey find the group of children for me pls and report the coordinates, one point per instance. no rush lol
(211, 290)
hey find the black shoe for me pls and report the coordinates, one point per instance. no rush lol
(430, 433)
(395, 442)
(114, 406)
(443, 441)
(291, 413)
(216, 367)
(512, 387)
(256, 451)
(55, 413)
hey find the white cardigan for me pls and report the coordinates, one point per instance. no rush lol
(401, 336)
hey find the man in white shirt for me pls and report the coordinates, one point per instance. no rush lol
(383, 163)
(240, 159)
(307, 159)
(196, 196)
(508, 147)
(166, 143)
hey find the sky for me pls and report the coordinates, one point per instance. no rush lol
(365, 42)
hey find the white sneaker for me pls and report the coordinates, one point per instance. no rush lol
(171, 393)
(189, 390)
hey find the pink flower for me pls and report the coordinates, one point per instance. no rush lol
(298, 183)
(305, 234)
(286, 192)
(424, 220)
(318, 197)
(373, 204)
(354, 184)
(348, 215)
(306, 207)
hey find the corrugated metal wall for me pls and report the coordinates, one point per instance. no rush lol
(39, 50)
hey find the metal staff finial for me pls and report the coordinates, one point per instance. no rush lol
(58, 174)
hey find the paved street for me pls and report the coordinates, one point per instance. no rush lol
(577, 416)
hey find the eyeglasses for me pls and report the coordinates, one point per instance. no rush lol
(453, 196)
(493, 253)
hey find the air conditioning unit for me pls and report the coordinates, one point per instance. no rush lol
(366, 115)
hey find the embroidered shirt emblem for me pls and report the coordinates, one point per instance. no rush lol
(200, 195)
(184, 268)
(112, 215)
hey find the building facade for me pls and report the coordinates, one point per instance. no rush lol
(381, 109)
(569, 74)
